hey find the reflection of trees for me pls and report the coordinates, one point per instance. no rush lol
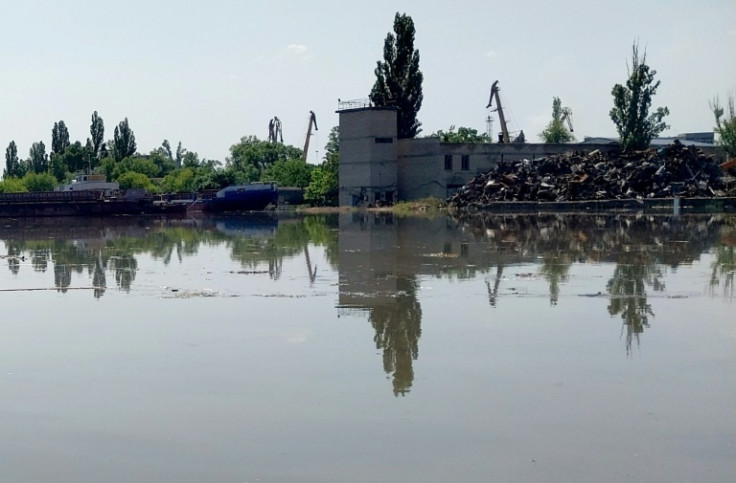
(724, 264)
(14, 253)
(292, 239)
(124, 267)
(555, 268)
(397, 323)
(96, 246)
(627, 289)
(640, 246)
(99, 281)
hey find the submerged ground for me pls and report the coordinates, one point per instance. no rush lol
(367, 347)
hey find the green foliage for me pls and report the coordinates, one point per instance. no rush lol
(75, 158)
(323, 189)
(132, 179)
(80, 158)
(58, 168)
(164, 164)
(166, 147)
(179, 181)
(398, 78)
(250, 157)
(136, 164)
(12, 185)
(59, 138)
(292, 172)
(38, 160)
(13, 166)
(463, 135)
(39, 181)
(180, 152)
(635, 126)
(556, 132)
(190, 160)
(726, 127)
(124, 144)
(97, 133)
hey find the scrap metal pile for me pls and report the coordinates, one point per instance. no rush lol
(674, 170)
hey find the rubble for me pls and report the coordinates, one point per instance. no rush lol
(674, 170)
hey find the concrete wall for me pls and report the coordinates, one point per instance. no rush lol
(423, 163)
(368, 147)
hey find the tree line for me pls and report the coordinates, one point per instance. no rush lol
(166, 169)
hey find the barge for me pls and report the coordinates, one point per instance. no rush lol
(103, 202)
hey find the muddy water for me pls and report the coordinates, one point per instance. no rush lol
(366, 348)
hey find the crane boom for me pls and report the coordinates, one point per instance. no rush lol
(312, 122)
(567, 117)
(504, 129)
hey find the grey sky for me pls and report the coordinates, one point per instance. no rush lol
(208, 73)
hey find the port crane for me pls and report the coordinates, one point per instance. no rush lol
(275, 134)
(567, 117)
(503, 137)
(311, 122)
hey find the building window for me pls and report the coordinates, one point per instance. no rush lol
(384, 140)
(465, 162)
(448, 161)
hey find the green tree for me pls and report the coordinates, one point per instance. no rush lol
(124, 141)
(291, 172)
(463, 135)
(398, 78)
(556, 132)
(179, 181)
(13, 167)
(137, 164)
(726, 127)
(631, 104)
(79, 158)
(164, 164)
(323, 189)
(59, 138)
(39, 181)
(166, 147)
(12, 185)
(251, 156)
(180, 152)
(132, 179)
(190, 160)
(97, 133)
(58, 167)
(38, 160)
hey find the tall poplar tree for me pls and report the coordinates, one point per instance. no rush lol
(635, 126)
(37, 157)
(59, 138)
(398, 78)
(97, 133)
(124, 141)
(12, 163)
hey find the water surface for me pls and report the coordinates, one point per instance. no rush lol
(368, 348)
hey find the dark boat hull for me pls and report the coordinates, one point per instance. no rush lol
(252, 197)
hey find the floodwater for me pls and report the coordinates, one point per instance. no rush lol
(368, 348)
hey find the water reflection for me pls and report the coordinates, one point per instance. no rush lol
(381, 260)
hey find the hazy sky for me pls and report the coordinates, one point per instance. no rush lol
(209, 72)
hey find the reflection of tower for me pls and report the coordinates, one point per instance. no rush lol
(371, 280)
